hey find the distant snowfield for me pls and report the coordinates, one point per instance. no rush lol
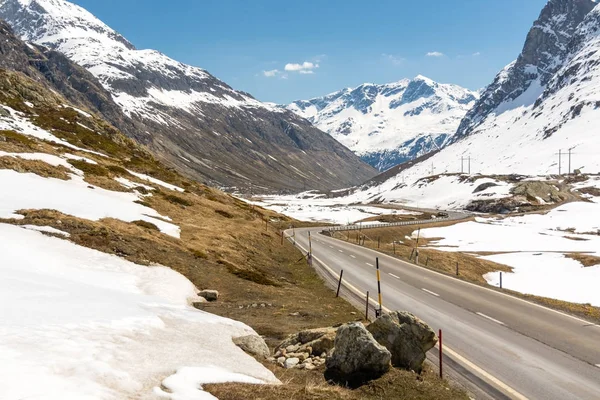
(81, 324)
(536, 246)
(324, 210)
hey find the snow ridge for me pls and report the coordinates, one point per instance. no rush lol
(142, 82)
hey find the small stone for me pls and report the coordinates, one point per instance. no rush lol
(278, 354)
(300, 366)
(262, 305)
(295, 314)
(323, 355)
(281, 360)
(292, 348)
(272, 359)
(254, 305)
(353, 313)
(303, 356)
(309, 367)
(210, 295)
(253, 344)
(241, 307)
(270, 305)
(307, 361)
(291, 362)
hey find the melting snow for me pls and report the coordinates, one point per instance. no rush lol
(81, 324)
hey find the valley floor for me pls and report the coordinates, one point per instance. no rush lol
(554, 253)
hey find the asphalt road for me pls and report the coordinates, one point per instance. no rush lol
(516, 349)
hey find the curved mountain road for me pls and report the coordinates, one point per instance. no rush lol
(509, 347)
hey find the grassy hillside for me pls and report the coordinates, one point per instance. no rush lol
(225, 244)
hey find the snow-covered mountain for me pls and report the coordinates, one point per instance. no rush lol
(392, 123)
(186, 115)
(540, 116)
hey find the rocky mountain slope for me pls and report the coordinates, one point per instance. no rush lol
(521, 82)
(541, 123)
(187, 116)
(392, 123)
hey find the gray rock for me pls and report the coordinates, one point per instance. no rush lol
(406, 337)
(281, 360)
(292, 348)
(254, 345)
(210, 295)
(309, 367)
(357, 357)
(291, 362)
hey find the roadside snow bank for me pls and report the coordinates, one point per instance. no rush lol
(536, 245)
(81, 324)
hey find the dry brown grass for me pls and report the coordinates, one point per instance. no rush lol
(34, 166)
(311, 385)
(587, 260)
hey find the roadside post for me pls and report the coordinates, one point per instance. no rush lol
(339, 284)
(441, 355)
(378, 312)
(367, 309)
(309, 244)
(500, 279)
(457, 268)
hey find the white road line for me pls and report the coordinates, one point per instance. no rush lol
(598, 365)
(395, 276)
(341, 251)
(430, 292)
(370, 265)
(490, 318)
(353, 256)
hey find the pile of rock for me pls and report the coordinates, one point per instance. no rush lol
(361, 354)
(307, 349)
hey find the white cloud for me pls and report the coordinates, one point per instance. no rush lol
(396, 60)
(302, 68)
(476, 54)
(435, 54)
(306, 71)
(272, 73)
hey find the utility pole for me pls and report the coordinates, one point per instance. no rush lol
(462, 164)
(469, 165)
(560, 162)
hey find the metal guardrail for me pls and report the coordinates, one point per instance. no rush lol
(388, 225)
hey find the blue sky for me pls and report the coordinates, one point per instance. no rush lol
(327, 44)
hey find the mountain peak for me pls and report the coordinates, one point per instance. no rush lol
(50, 21)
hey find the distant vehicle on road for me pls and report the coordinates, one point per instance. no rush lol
(442, 214)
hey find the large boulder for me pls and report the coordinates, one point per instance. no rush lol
(253, 344)
(357, 357)
(406, 337)
(312, 341)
